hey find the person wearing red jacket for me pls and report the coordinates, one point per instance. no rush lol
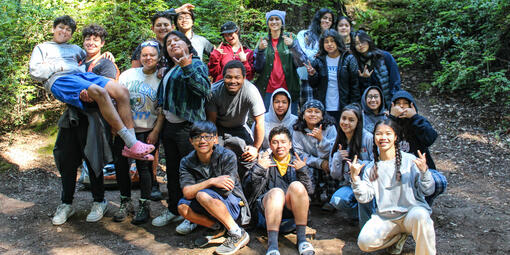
(231, 50)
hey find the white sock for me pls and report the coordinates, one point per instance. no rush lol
(236, 231)
(128, 138)
(132, 131)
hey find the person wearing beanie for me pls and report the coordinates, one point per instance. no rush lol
(314, 134)
(230, 49)
(277, 56)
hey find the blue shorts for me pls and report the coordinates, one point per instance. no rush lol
(287, 216)
(231, 202)
(67, 88)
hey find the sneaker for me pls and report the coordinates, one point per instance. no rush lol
(233, 243)
(138, 151)
(397, 247)
(156, 194)
(126, 208)
(143, 214)
(305, 248)
(166, 218)
(63, 212)
(97, 211)
(185, 227)
(209, 235)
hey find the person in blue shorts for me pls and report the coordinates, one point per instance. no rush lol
(56, 63)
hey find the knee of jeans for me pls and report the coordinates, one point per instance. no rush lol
(365, 242)
(339, 202)
(419, 214)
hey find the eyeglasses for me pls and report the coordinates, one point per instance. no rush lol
(206, 138)
(150, 43)
(184, 18)
(373, 97)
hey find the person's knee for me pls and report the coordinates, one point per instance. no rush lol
(298, 188)
(96, 92)
(275, 197)
(117, 91)
(366, 241)
(202, 197)
(419, 215)
(183, 210)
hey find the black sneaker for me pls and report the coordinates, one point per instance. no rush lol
(126, 207)
(210, 235)
(143, 214)
(156, 194)
(233, 243)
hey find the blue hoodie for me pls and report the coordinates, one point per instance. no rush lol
(417, 133)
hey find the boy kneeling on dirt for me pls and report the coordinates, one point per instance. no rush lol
(212, 191)
(56, 64)
(279, 185)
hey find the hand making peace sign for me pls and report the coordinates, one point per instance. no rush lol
(421, 162)
(355, 167)
(309, 68)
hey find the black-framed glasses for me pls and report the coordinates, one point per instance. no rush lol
(206, 138)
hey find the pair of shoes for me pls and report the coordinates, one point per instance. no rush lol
(185, 227)
(126, 208)
(306, 248)
(233, 243)
(209, 235)
(63, 212)
(156, 194)
(166, 218)
(143, 214)
(139, 151)
(97, 211)
(397, 247)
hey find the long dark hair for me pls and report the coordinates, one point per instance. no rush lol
(326, 121)
(352, 33)
(373, 51)
(355, 144)
(182, 37)
(314, 30)
(336, 37)
(398, 154)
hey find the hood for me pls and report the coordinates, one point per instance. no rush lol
(364, 105)
(406, 95)
(271, 115)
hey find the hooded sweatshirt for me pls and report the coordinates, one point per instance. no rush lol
(369, 117)
(417, 133)
(271, 120)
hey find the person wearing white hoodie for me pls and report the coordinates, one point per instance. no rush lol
(278, 114)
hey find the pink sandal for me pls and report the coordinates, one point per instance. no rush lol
(138, 151)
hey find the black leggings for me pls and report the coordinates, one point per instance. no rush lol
(143, 167)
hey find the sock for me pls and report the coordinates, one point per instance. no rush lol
(301, 233)
(215, 226)
(132, 131)
(128, 138)
(272, 240)
(235, 231)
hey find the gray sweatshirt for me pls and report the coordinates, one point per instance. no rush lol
(51, 60)
(310, 148)
(394, 199)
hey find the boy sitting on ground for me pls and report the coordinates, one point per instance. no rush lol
(56, 64)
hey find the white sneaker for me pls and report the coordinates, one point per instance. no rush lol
(97, 211)
(166, 218)
(63, 212)
(185, 227)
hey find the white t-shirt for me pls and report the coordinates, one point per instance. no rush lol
(332, 91)
(142, 96)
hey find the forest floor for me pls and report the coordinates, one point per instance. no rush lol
(472, 217)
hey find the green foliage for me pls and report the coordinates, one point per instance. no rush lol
(465, 41)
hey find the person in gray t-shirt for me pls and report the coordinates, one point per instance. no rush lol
(233, 99)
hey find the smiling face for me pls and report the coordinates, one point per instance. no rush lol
(385, 137)
(343, 28)
(280, 105)
(92, 45)
(274, 23)
(280, 145)
(373, 100)
(348, 122)
(233, 80)
(204, 143)
(176, 47)
(149, 58)
(161, 27)
(231, 38)
(326, 21)
(184, 22)
(62, 33)
(312, 116)
(330, 46)
(361, 47)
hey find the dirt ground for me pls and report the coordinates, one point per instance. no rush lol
(471, 218)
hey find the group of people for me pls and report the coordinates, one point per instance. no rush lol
(330, 126)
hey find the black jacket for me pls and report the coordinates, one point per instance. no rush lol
(223, 162)
(347, 77)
